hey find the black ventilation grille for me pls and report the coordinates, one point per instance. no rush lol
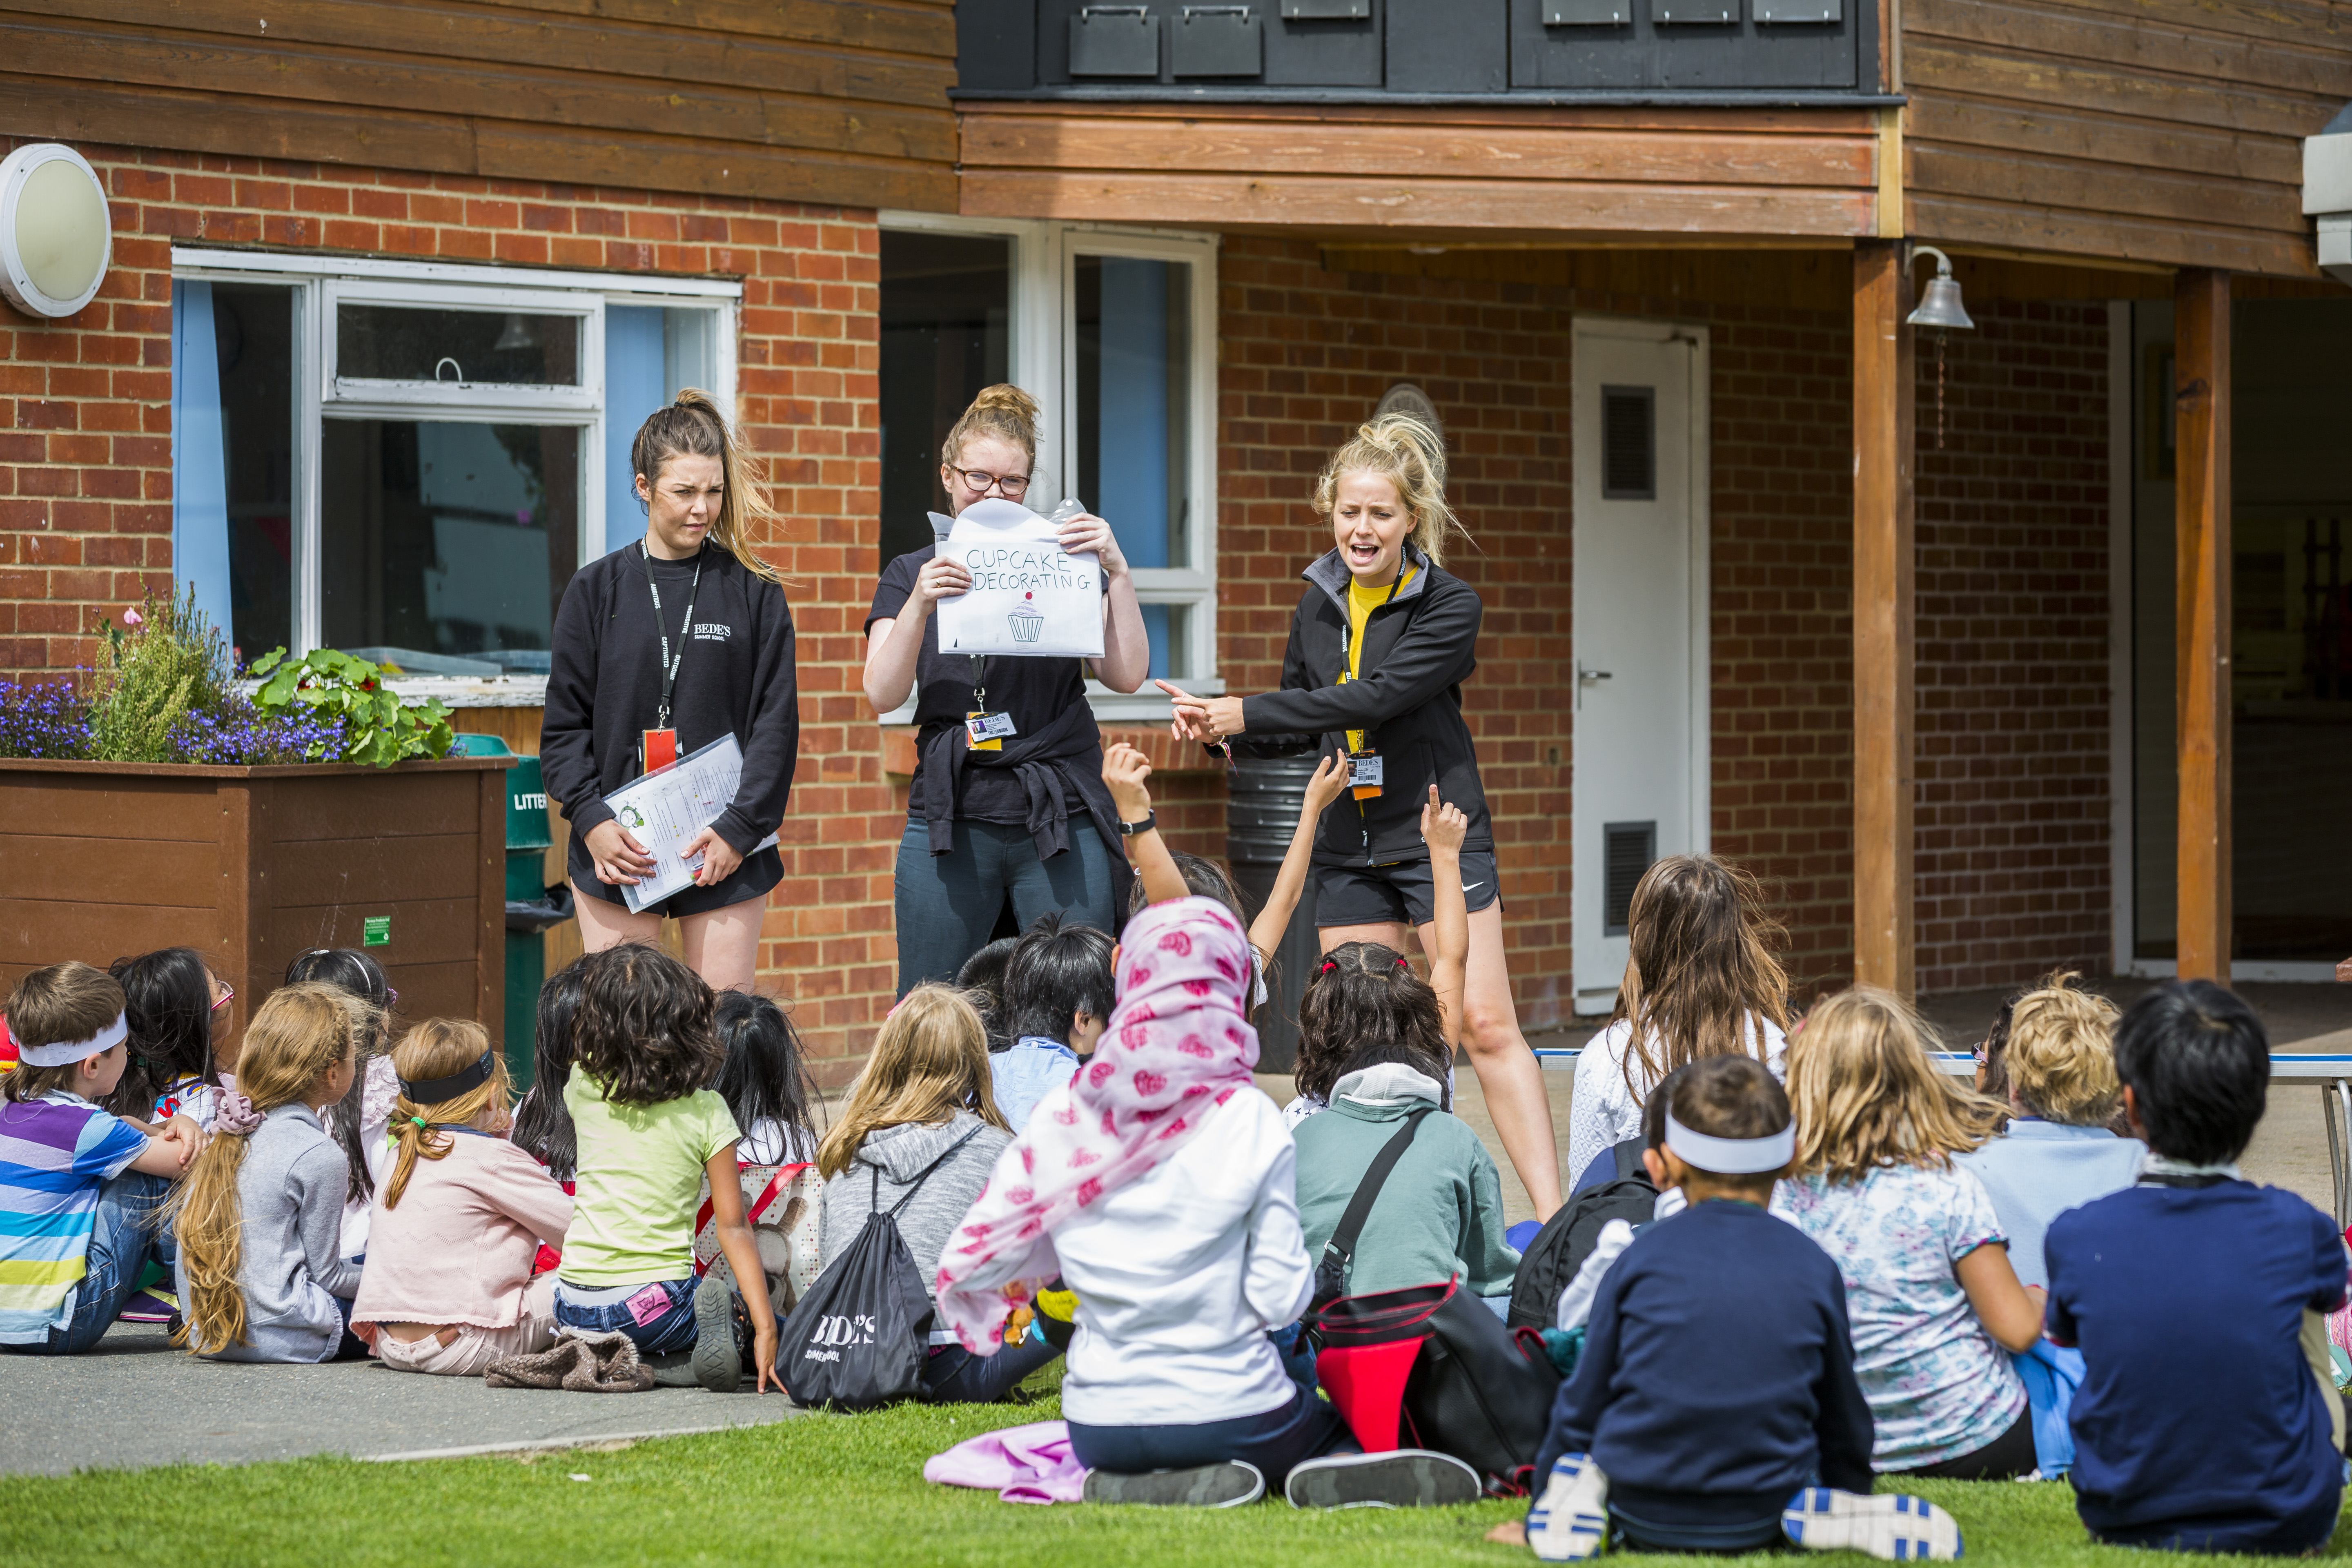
(1629, 443)
(1627, 850)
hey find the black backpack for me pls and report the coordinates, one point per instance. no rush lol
(1567, 1238)
(860, 1336)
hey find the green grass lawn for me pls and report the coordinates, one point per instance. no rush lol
(822, 1489)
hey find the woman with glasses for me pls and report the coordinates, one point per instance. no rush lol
(1021, 817)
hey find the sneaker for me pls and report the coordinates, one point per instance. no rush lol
(717, 1354)
(1403, 1477)
(1228, 1485)
(671, 1368)
(1570, 1522)
(1890, 1526)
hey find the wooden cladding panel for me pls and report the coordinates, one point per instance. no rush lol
(809, 100)
(182, 876)
(2158, 130)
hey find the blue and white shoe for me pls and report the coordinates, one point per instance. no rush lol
(1570, 1522)
(1892, 1527)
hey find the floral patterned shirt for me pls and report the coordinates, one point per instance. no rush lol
(1938, 1385)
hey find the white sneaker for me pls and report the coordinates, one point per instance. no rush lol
(1890, 1526)
(1570, 1522)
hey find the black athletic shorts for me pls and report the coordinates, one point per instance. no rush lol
(1369, 895)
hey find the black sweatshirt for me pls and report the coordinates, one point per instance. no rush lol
(1717, 1364)
(603, 686)
(1418, 650)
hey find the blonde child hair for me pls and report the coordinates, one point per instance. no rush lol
(436, 1048)
(1700, 963)
(1003, 411)
(2060, 1056)
(931, 1062)
(1865, 1095)
(1409, 456)
(297, 1037)
(696, 426)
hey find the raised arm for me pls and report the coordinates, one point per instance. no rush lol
(895, 643)
(1124, 772)
(1126, 651)
(1266, 932)
(1442, 828)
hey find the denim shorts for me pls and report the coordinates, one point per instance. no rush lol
(653, 1327)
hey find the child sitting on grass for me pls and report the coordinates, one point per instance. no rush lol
(459, 1218)
(1929, 1292)
(262, 1275)
(1693, 1429)
(2202, 1423)
(1159, 1183)
(82, 1191)
(1376, 1044)
(649, 1131)
(763, 1082)
(1056, 1000)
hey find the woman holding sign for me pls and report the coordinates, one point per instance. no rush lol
(1008, 800)
(1382, 640)
(660, 648)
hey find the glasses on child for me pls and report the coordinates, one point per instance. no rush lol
(227, 995)
(1011, 486)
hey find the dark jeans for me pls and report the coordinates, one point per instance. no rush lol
(126, 1232)
(2291, 1537)
(1646, 1520)
(2004, 1458)
(351, 1347)
(953, 1375)
(671, 1330)
(946, 905)
(1306, 1429)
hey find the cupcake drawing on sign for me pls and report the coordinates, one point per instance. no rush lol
(1026, 620)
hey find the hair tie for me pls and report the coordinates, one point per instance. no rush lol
(234, 1114)
(422, 1125)
(1402, 961)
(1328, 966)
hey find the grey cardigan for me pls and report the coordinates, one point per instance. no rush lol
(897, 1154)
(290, 1193)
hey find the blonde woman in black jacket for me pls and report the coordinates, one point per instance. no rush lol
(1382, 640)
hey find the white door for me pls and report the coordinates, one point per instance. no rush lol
(1639, 789)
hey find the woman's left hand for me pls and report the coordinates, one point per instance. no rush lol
(1088, 531)
(718, 858)
(1204, 718)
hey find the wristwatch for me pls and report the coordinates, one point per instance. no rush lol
(1129, 829)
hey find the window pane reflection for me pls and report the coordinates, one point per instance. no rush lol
(397, 342)
(947, 308)
(1165, 628)
(1134, 364)
(253, 326)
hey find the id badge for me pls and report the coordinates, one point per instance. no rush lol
(989, 732)
(1365, 771)
(659, 748)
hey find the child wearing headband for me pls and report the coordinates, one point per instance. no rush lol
(459, 1218)
(1929, 1288)
(1687, 1429)
(82, 1191)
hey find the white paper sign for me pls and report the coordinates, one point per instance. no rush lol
(666, 808)
(1028, 596)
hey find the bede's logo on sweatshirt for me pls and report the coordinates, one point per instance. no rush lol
(712, 631)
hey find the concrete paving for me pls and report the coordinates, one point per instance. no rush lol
(137, 1401)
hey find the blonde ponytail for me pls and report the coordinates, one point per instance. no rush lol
(695, 426)
(1003, 411)
(297, 1037)
(439, 1048)
(1411, 456)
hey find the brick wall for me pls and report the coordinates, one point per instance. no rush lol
(2013, 826)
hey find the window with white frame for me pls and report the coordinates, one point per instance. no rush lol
(408, 462)
(1113, 333)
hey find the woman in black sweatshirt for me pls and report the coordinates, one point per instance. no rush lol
(1383, 638)
(686, 630)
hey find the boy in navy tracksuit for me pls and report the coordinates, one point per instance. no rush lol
(2202, 1424)
(1714, 1407)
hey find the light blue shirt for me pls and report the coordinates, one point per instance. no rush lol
(2038, 1169)
(1033, 1067)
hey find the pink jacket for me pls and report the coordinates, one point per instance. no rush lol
(459, 1247)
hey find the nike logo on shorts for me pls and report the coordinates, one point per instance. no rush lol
(1470, 887)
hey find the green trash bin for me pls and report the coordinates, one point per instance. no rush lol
(533, 906)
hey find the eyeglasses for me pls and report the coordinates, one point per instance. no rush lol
(1013, 485)
(227, 995)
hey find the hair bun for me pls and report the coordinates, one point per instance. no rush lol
(1003, 411)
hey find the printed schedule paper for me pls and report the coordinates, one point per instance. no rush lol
(666, 808)
(1028, 595)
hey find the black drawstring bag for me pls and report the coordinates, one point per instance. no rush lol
(859, 1337)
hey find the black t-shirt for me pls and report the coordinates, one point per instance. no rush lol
(1034, 692)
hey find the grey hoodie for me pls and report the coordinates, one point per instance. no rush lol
(290, 1194)
(899, 1154)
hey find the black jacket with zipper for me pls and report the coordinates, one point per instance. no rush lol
(1418, 650)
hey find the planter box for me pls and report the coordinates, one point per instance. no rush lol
(252, 866)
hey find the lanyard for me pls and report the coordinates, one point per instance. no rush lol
(1351, 650)
(979, 683)
(669, 665)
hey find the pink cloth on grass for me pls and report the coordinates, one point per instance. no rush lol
(1021, 1464)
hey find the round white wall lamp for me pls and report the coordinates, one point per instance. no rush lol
(1404, 397)
(56, 236)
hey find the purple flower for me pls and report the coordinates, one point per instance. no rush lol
(42, 720)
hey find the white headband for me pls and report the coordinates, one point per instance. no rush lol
(66, 1055)
(1731, 1156)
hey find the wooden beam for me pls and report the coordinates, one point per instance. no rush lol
(1884, 616)
(2200, 333)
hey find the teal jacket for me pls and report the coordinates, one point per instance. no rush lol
(1441, 1212)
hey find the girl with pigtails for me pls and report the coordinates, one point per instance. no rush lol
(1382, 642)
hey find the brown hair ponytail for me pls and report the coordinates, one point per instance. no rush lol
(1003, 411)
(439, 1048)
(1409, 456)
(694, 427)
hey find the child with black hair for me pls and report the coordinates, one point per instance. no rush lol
(762, 1080)
(542, 1127)
(1690, 1430)
(2202, 1424)
(982, 980)
(175, 1007)
(1057, 997)
(361, 1120)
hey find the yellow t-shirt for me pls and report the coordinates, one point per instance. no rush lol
(640, 1182)
(1361, 603)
